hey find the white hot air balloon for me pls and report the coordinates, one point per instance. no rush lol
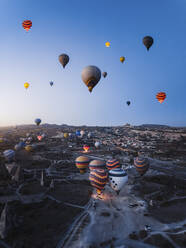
(97, 144)
(117, 179)
(82, 132)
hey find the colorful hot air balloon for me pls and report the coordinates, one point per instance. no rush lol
(64, 59)
(107, 44)
(161, 96)
(122, 59)
(86, 148)
(27, 24)
(117, 178)
(97, 164)
(82, 163)
(26, 85)
(148, 41)
(104, 74)
(51, 83)
(98, 179)
(37, 121)
(66, 135)
(141, 164)
(91, 76)
(128, 103)
(29, 148)
(113, 164)
(9, 154)
(97, 144)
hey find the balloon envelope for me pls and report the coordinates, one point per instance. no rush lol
(97, 164)
(141, 164)
(27, 24)
(98, 179)
(113, 164)
(91, 76)
(82, 163)
(26, 85)
(161, 96)
(64, 59)
(107, 44)
(122, 59)
(148, 41)
(37, 121)
(9, 154)
(104, 74)
(117, 178)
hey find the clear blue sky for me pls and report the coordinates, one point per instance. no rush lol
(80, 28)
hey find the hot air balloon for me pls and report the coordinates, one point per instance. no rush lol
(9, 154)
(37, 121)
(82, 132)
(26, 85)
(78, 133)
(98, 179)
(141, 164)
(91, 76)
(17, 147)
(29, 148)
(122, 59)
(97, 144)
(82, 163)
(148, 41)
(117, 178)
(1, 140)
(64, 59)
(86, 148)
(27, 24)
(128, 103)
(39, 137)
(161, 96)
(104, 74)
(66, 135)
(51, 83)
(97, 164)
(113, 164)
(89, 135)
(107, 44)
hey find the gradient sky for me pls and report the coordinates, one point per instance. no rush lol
(80, 28)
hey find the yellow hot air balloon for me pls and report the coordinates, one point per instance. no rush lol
(29, 148)
(107, 44)
(26, 85)
(122, 59)
(66, 135)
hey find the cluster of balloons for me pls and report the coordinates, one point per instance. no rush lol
(101, 173)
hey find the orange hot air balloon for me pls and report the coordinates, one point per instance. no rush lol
(39, 137)
(86, 148)
(27, 24)
(161, 96)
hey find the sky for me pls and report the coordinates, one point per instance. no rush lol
(80, 29)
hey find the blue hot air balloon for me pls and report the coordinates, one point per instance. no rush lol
(9, 154)
(37, 121)
(78, 133)
(51, 83)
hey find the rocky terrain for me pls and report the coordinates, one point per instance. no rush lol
(46, 202)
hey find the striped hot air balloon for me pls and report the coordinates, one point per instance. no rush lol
(27, 24)
(98, 179)
(97, 164)
(113, 164)
(141, 164)
(161, 96)
(117, 178)
(82, 163)
(9, 154)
